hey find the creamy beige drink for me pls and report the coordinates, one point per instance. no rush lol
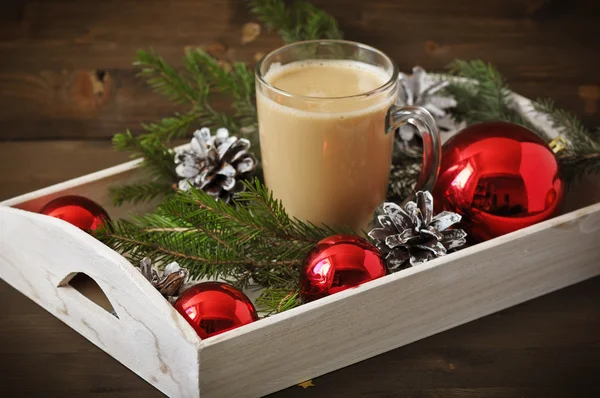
(324, 148)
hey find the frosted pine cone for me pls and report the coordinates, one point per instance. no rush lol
(216, 164)
(170, 283)
(419, 89)
(412, 235)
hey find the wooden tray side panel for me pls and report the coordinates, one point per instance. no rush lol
(360, 323)
(38, 252)
(93, 186)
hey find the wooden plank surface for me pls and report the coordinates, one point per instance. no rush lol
(65, 66)
(66, 76)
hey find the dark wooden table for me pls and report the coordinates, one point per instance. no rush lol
(67, 85)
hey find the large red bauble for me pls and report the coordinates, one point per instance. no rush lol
(212, 308)
(338, 263)
(77, 210)
(500, 177)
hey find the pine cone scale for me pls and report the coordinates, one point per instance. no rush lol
(444, 220)
(215, 164)
(412, 235)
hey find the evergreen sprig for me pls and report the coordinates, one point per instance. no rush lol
(202, 75)
(251, 240)
(140, 192)
(484, 96)
(235, 80)
(582, 153)
(157, 161)
(192, 87)
(278, 300)
(300, 21)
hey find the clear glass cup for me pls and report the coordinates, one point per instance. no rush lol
(328, 158)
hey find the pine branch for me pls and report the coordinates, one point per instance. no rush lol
(582, 154)
(191, 88)
(238, 82)
(253, 239)
(273, 300)
(580, 138)
(158, 159)
(203, 75)
(484, 96)
(140, 192)
(164, 79)
(488, 97)
(176, 126)
(300, 21)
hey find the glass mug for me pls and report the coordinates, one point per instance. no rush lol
(326, 153)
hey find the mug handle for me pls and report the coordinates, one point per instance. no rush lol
(432, 149)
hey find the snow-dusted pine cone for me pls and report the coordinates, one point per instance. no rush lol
(412, 235)
(170, 283)
(420, 89)
(216, 164)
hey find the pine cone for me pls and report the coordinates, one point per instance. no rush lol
(420, 89)
(172, 279)
(216, 164)
(412, 235)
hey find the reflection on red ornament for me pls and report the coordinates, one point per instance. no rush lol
(77, 210)
(212, 308)
(500, 177)
(338, 263)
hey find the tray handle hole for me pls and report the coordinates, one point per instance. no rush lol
(89, 289)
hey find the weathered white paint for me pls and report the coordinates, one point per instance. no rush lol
(38, 252)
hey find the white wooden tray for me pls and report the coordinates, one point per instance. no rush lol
(39, 255)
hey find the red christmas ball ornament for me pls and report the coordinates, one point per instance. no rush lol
(77, 210)
(338, 263)
(500, 177)
(212, 308)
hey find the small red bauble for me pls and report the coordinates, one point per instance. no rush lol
(212, 308)
(500, 177)
(338, 263)
(77, 210)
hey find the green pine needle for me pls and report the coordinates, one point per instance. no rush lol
(164, 79)
(252, 239)
(300, 21)
(158, 158)
(486, 97)
(176, 126)
(238, 83)
(582, 154)
(273, 300)
(567, 124)
(193, 86)
(141, 192)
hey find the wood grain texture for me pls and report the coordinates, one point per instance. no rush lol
(52, 55)
(65, 66)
